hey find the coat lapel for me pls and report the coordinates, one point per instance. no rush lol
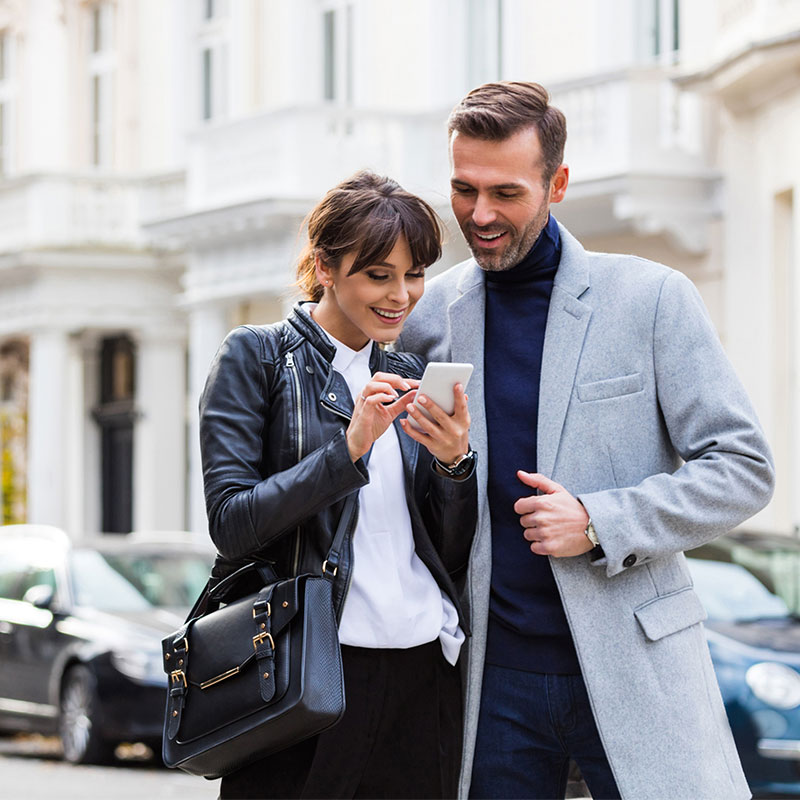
(567, 321)
(466, 315)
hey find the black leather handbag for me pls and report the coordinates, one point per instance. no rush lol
(253, 674)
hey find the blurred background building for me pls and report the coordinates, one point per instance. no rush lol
(157, 158)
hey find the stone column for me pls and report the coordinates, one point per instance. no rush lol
(49, 404)
(159, 451)
(208, 325)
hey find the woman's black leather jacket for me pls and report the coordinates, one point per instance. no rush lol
(277, 469)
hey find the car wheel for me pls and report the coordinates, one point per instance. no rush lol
(81, 737)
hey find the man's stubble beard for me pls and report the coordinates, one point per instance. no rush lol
(515, 251)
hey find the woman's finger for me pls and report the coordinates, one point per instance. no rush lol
(396, 381)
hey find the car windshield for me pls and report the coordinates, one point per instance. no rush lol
(122, 582)
(732, 594)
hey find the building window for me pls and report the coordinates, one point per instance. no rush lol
(485, 41)
(116, 416)
(212, 54)
(329, 54)
(101, 77)
(7, 93)
(207, 78)
(660, 30)
(338, 42)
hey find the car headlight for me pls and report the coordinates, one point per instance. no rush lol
(774, 684)
(141, 665)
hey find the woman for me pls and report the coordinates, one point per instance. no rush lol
(298, 415)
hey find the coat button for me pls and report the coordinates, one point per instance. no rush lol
(332, 397)
(309, 369)
(629, 560)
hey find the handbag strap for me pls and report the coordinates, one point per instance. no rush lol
(347, 522)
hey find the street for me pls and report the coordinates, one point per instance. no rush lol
(32, 769)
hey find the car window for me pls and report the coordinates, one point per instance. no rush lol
(22, 567)
(37, 576)
(96, 584)
(775, 563)
(12, 568)
(167, 580)
(121, 581)
(732, 594)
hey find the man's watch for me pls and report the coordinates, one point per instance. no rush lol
(461, 466)
(590, 533)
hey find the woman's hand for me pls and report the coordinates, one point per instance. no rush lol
(376, 408)
(446, 436)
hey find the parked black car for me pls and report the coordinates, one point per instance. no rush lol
(80, 633)
(749, 584)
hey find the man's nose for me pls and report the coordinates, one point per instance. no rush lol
(483, 213)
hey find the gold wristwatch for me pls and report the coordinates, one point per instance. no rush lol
(590, 533)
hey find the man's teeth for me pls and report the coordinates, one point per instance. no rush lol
(487, 237)
(388, 314)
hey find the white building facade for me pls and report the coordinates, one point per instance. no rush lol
(158, 157)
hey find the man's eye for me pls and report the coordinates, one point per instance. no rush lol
(462, 189)
(506, 195)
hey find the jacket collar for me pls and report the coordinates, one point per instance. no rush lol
(300, 318)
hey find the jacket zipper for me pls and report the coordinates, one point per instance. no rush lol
(299, 408)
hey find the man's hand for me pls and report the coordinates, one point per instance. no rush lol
(555, 521)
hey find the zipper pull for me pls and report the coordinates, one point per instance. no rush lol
(290, 360)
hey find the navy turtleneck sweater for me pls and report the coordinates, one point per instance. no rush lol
(527, 626)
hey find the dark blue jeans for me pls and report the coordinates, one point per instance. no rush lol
(530, 726)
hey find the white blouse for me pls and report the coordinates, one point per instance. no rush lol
(393, 600)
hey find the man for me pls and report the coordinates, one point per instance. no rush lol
(613, 435)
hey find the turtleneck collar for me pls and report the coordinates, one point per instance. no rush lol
(545, 255)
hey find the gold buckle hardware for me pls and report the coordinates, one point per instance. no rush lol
(259, 638)
(269, 610)
(177, 676)
(325, 566)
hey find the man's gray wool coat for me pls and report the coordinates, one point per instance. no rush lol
(642, 417)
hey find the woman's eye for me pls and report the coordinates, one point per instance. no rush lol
(415, 275)
(377, 276)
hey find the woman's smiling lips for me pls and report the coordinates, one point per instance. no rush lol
(389, 316)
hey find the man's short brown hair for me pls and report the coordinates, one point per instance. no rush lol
(495, 111)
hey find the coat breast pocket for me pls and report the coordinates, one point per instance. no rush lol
(610, 387)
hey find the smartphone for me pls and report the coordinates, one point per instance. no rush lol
(437, 383)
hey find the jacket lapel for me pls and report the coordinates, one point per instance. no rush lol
(567, 321)
(466, 322)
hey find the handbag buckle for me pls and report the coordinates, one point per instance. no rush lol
(325, 568)
(177, 676)
(259, 638)
(269, 609)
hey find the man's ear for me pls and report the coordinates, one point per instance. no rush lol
(558, 184)
(322, 270)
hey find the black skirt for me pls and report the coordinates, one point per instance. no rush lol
(400, 736)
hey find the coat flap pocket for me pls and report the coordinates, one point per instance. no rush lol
(610, 387)
(670, 613)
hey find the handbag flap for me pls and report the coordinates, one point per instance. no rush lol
(223, 640)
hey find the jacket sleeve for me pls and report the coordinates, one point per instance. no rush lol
(248, 510)
(727, 474)
(451, 514)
